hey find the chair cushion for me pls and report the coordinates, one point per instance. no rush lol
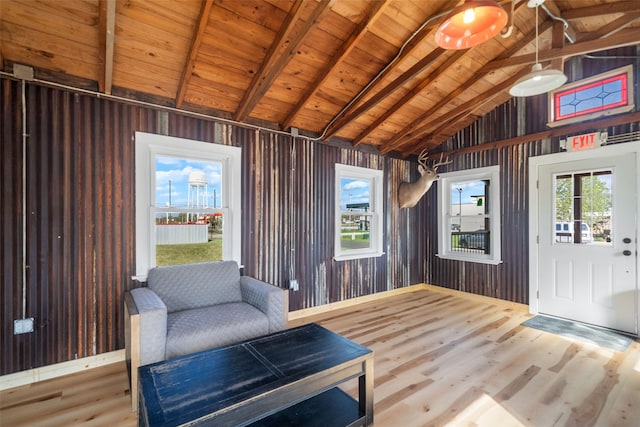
(202, 328)
(187, 286)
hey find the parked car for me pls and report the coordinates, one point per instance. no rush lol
(564, 232)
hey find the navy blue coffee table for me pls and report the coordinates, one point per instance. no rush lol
(288, 378)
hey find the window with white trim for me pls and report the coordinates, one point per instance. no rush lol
(187, 202)
(358, 212)
(469, 215)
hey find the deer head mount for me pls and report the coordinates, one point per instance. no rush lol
(410, 193)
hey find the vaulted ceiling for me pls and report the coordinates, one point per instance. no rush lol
(361, 71)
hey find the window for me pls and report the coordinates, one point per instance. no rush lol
(583, 206)
(187, 204)
(601, 95)
(358, 231)
(469, 215)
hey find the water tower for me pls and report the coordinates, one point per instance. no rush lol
(198, 193)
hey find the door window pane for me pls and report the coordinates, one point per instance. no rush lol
(583, 207)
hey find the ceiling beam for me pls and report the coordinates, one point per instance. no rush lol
(106, 28)
(251, 96)
(623, 38)
(570, 31)
(437, 73)
(463, 110)
(612, 27)
(404, 78)
(557, 42)
(443, 68)
(346, 116)
(196, 41)
(286, 41)
(396, 141)
(602, 9)
(591, 125)
(356, 36)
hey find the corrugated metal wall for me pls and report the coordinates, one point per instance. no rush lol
(80, 216)
(509, 280)
(80, 233)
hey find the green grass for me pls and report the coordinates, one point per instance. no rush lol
(189, 253)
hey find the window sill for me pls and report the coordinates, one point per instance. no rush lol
(468, 258)
(357, 256)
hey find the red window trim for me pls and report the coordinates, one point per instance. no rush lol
(622, 76)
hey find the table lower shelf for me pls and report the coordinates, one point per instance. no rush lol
(334, 407)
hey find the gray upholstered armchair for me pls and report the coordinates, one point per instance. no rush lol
(192, 307)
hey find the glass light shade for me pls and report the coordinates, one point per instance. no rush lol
(470, 24)
(538, 81)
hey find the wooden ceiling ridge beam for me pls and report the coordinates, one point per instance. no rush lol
(196, 41)
(274, 63)
(416, 39)
(602, 9)
(356, 36)
(463, 109)
(527, 39)
(588, 126)
(628, 37)
(106, 32)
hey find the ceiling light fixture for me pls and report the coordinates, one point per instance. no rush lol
(538, 81)
(470, 24)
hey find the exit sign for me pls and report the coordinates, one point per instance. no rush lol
(586, 141)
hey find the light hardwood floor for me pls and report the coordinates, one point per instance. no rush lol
(440, 360)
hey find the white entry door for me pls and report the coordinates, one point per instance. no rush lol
(587, 250)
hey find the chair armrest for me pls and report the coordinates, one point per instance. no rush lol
(145, 333)
(271, 300)
(153, 324)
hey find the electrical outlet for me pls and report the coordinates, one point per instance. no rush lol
(23, 326)
(293, 285)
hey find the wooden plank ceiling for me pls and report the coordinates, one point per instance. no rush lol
(364, 71)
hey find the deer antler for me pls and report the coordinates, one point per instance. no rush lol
(422, 158)
(440, 162)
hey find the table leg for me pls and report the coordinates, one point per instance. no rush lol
(365, 391)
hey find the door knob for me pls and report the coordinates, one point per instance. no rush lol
(626, 252)
(626, 240)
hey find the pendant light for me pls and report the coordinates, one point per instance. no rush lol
(470, 24)
(538, 81)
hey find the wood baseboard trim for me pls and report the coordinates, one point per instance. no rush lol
(59, 369)
(306, 312)
(321, 309)
(481, 298)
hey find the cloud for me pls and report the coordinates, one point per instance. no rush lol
(356, 184)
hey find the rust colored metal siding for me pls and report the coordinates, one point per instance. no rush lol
(80, 215)
(80, 235)
(79, 223)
